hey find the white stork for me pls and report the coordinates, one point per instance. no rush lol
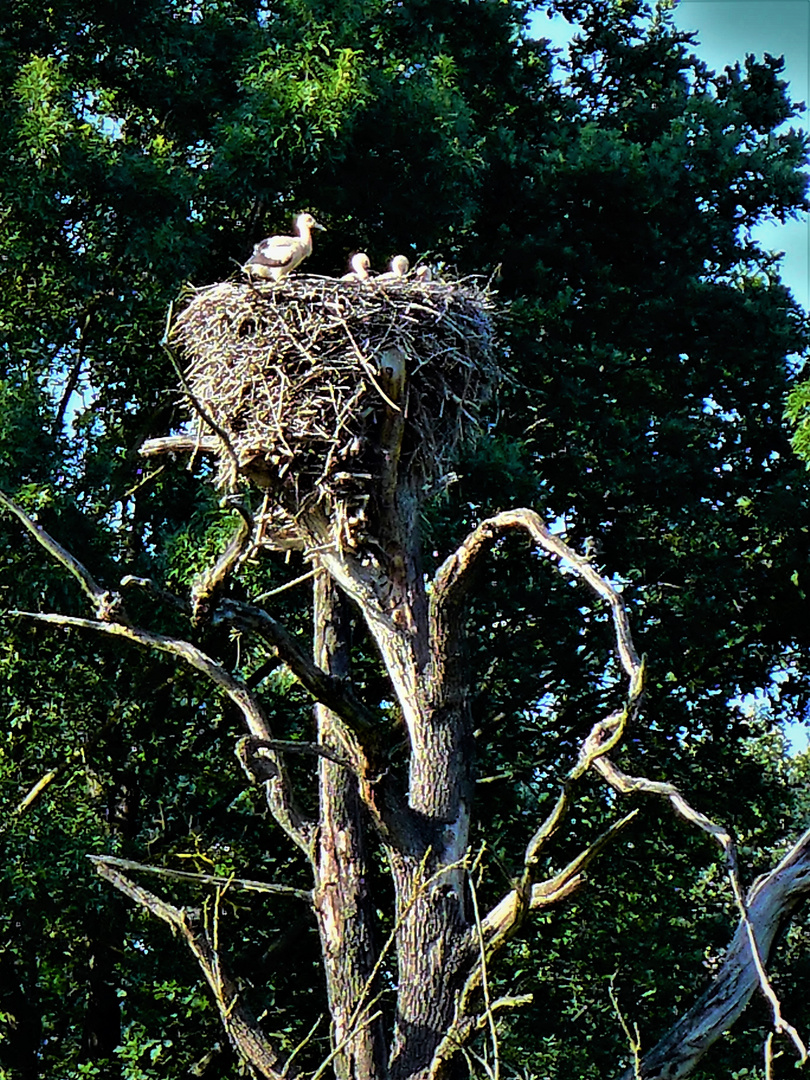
(360, 268)
(399, 267)
(276, 256)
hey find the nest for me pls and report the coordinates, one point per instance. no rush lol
(332, 393)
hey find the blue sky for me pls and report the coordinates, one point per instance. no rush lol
(726, 31)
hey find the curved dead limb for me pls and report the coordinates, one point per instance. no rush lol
(450, 587)
(452, 580)
(243, 1031)
(770, 900)
(755, 933)
(279, 797)
(106, 605)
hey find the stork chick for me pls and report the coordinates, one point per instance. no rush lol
(360, 268)
(276, 256)
(398, 269)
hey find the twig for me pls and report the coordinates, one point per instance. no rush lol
(485, 981)
(306, 1039)
(287, 585)
(633, 1038)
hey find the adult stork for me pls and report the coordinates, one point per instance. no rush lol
(276, 256)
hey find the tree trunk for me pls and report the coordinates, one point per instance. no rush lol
(341, 894)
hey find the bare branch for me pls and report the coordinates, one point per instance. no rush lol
(209, 583)
(241, 1027)
(202, 879)
(279, 797)
(106, 605)
(252, 744)
(334, 693)
(502, 922)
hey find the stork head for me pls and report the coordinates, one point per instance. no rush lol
(400, 265)
(307, 221)
(361, 264)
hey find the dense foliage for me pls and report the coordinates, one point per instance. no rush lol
(648, 346)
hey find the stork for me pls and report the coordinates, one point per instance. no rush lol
(398, 269)
(360, 267)
(276, 256)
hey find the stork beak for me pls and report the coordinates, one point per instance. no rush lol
(315, 225)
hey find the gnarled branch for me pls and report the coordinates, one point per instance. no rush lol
(769, 902)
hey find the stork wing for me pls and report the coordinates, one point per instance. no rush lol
(276, 251)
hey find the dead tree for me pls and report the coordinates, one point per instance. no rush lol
(346, 404)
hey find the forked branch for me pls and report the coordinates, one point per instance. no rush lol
(243, 1031)
(106, 605)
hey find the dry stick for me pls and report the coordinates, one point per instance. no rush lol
(633, 1039)
(369, 370)
(178, 444)
(203, 879)
(485, 979)
(304, 1042)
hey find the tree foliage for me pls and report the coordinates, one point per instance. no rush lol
(648, 346)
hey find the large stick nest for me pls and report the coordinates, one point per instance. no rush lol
(332, 392)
